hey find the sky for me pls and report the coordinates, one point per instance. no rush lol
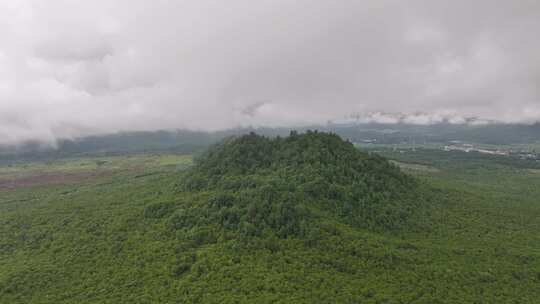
(70, 67)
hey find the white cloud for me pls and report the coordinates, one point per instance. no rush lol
(72, 67)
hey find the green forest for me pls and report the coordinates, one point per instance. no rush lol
(302, 218)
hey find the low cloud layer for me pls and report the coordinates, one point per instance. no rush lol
(74, 67)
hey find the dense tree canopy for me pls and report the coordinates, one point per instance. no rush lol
(257, 183)
(301, 219)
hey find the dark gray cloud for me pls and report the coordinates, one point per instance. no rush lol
(73, 67)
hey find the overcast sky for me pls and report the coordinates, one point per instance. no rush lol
(69, 68)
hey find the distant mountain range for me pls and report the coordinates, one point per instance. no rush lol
(357, 129)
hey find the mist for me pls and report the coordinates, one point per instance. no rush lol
(72, 68)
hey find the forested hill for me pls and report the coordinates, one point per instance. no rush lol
(260, 183)
(305, 218)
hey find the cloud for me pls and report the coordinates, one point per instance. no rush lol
(414, 118)
(70, 68)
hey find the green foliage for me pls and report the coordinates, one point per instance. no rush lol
(263, 183)
(145, 236)
(158, 210)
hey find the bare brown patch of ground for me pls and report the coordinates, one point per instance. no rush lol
(50, 178)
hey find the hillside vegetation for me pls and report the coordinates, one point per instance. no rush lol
(301, 219)
(283, 184)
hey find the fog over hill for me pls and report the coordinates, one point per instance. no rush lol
(76, 68)
(269, 151)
